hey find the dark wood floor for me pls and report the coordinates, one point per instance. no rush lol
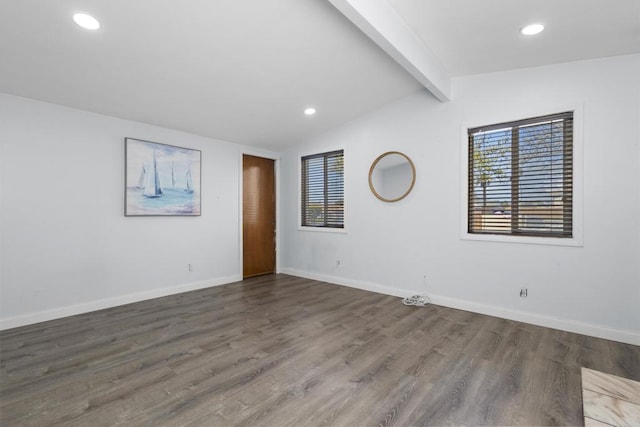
(286, 351)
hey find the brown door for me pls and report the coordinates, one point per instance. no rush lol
(258, 216)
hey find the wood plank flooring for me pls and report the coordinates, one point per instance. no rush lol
(285, 351)
(609, 400)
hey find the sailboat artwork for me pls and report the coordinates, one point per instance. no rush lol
(143, 175)
(188, 181)
(161, 179)
(152, 186)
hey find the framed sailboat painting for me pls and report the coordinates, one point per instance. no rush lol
(161, 179)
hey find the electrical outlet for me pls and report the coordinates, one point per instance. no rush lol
(523, 293)
(338, 262)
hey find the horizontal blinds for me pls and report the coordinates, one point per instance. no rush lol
(323, 190)
(521, 177)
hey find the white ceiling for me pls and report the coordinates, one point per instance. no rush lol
(480, 36)
(244, 71)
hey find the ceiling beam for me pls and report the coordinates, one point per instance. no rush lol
(382, 24)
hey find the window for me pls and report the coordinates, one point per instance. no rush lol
(521, 177)
(322, 190)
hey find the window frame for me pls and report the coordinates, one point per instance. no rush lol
(322, 229)
(577, 206)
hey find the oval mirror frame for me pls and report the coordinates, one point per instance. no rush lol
(410, 187)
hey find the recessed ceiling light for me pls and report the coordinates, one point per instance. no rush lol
(86, 21)
(310, 111)
(532, 29)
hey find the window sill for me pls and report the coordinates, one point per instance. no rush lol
(323, 229)
(528, 240)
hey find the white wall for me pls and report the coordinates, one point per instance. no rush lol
(593, 289)
(66, 246)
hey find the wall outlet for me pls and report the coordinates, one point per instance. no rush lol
(338, 262)
(190, 266)
(523, 293)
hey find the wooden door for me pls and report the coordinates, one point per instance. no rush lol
(258, 216)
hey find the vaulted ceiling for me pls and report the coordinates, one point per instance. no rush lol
(244, 70)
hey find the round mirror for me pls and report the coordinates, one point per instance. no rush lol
(392, 176)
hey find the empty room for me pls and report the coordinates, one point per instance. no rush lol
(319, 212)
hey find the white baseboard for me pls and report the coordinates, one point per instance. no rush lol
(620, 335)
(72, 310)
(358, 284)
(598, 331)
(625, 336)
